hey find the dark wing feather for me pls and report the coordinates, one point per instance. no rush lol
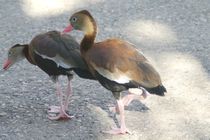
(64, 47)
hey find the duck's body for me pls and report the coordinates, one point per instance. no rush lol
(56, 55)
(119, 71)
(117, 65)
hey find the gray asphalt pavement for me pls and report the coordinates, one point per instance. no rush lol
(174, 35)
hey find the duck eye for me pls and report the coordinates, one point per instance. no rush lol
(73, 19)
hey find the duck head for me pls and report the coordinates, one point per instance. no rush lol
(15, 54)
(82, 21)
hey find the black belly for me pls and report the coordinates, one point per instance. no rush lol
(116, 88)
(50, 67)
(84, 73)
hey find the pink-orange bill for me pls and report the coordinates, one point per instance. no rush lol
(6, 64)
(68, 29)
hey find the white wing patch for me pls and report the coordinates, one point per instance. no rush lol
(57, 59)
(118, 76)
(136, 91)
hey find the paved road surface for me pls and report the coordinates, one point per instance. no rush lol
(174, 35)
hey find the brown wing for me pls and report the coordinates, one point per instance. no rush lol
(119, 61)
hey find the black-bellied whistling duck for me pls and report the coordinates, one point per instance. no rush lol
(117, 65)
(56, 54)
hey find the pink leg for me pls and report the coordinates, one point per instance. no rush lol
(56, 109)
(122, 129)
(129, 98)
(68, 95)
(126, 100)
(62, 113)
(135, 95)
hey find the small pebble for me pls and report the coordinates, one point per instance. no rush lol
(3, 114)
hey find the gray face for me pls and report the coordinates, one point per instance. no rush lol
(77, 22)
(81, 21)
(15, 54)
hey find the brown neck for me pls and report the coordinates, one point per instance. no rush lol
(27, 55)
(90, 35)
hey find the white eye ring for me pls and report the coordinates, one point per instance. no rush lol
(73, 19)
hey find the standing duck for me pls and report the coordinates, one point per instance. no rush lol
(56, 54)
(117, 65)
